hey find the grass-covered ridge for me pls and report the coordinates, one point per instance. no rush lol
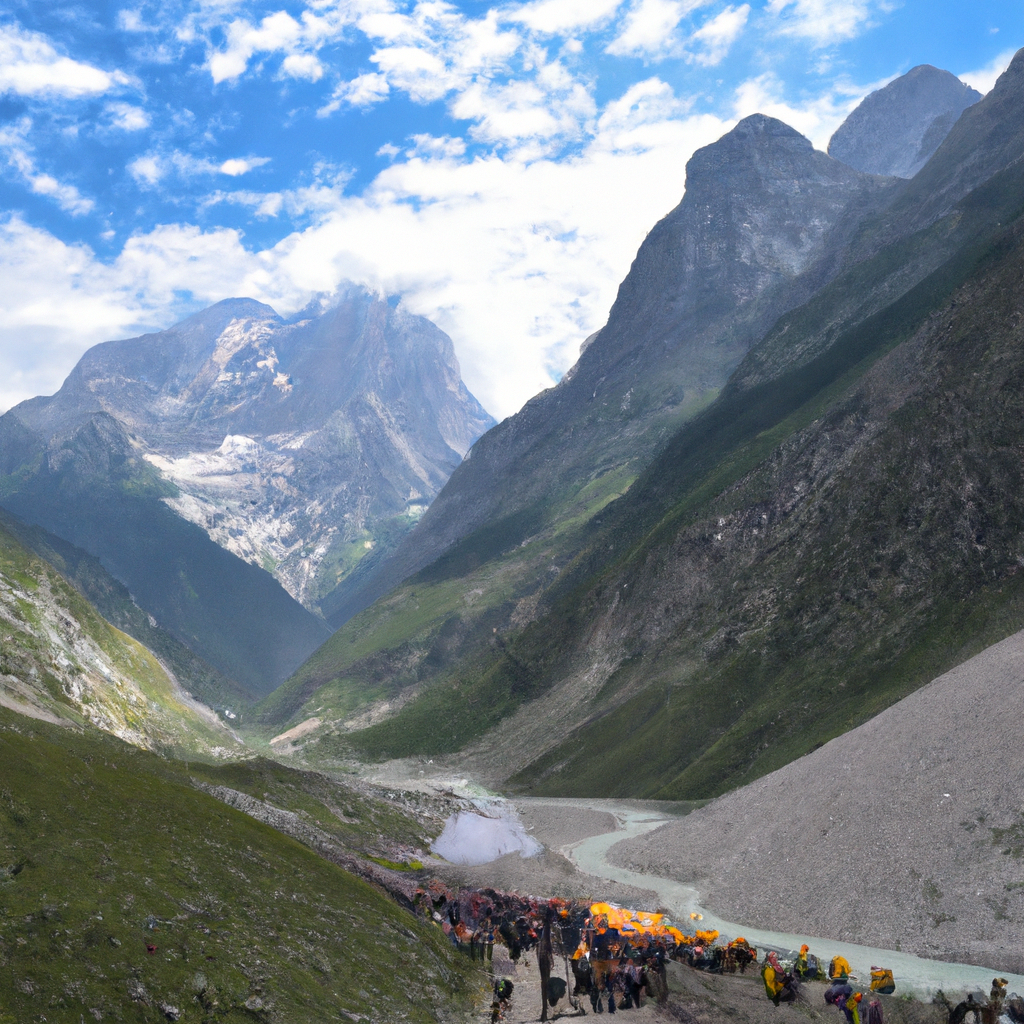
(106, 850)
(458, 608)
(114, 602)
(94, 489)
(61, 660)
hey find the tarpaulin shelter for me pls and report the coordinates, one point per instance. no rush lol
(634, 924)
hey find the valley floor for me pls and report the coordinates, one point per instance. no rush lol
(578, 836)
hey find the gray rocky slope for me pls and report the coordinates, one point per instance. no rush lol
(905, 833)
(896, 129)
(765, 223)
(754, 235)
(299, 445)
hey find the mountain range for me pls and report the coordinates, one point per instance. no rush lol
(703, 506)
(830, 522)
(237, 466)
(736, 553)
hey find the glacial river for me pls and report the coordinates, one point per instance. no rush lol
(913, 974)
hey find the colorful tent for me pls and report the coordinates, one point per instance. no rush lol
(638, 924)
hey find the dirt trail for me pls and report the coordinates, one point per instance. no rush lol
(525, 1007)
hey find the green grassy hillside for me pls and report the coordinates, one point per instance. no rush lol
(61, 661)
(114, 602)
(454, 611)
(127, 895)
(93, 489)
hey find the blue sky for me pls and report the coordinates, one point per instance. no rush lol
(495, 163)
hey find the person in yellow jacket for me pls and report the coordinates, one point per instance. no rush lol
(778, 985)
(839, 968)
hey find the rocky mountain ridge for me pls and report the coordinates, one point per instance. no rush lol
(749, 239)
(765, 556)
(297, 445)
(897, 128)
(236, 447)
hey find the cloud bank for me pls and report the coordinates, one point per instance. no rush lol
(495, 164)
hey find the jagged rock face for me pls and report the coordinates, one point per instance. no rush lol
(758, 206)
(760, 209)
(294, 445)
(897, 128)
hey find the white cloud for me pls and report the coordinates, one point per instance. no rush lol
(262, 204)
(15, 147)
(649, 28)
(416, 71)
(31, 66)
(279, 31)
(640, 119)
(712, 41)
(298, 38)
(551, 107)
(432, 147)
(823, 22)
(238, 166)
(152, 168)
(552, 17)
(363, 91)
(147, 169)
(131, 21)
(984, 78)
(45, 287)
(67, 196)
(302, 65)
(127, 117)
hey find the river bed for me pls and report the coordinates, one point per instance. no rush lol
(913, 974)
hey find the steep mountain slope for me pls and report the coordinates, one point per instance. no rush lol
(765, 223)
(746, 242)
(129, 894)
(896, 129)
(833, 550)
(114, 602)
(450, 622)
(299, 446)
(837, 528)
(61, 662)
(94, 488)
(916, 814)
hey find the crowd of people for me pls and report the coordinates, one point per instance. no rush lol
(617, 957)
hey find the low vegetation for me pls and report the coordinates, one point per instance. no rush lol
(128, 895)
